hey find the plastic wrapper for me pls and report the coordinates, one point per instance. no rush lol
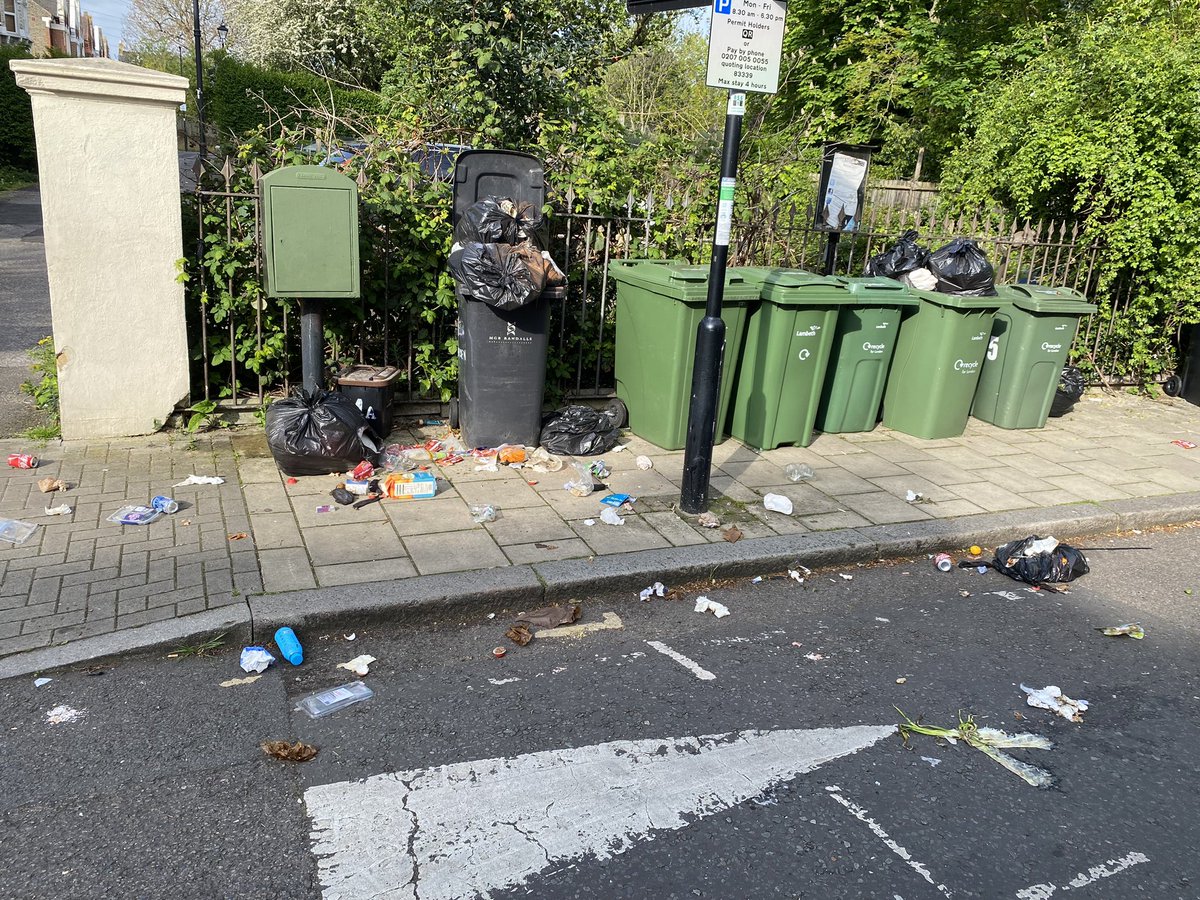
(579, 431)
(14, 531)
(903, 256)
(496, 274)
(582, 485)
(961, 267)
(135, 515)
(318, 433)
(324, 703)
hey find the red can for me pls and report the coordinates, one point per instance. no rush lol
(22, 461)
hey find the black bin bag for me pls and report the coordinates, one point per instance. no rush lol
(579, 431)
(903, 256)
(318, 433)
(497, 274)
(1014, 559)
(496, 220)
(1070, 388)
(961, 267)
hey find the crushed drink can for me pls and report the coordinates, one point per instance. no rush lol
(943, 562)
(23, 461)
(165, 505)
(363, 471)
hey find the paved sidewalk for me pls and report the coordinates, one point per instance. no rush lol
(81, 576)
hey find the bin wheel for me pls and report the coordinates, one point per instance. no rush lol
(1173, 386)
(618, 412)
(454, 412)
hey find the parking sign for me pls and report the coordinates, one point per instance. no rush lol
(745, 45)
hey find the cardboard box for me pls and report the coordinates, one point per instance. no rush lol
(410, 486)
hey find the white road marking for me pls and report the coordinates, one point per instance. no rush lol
(502, 680)
(861, 814)
(691, 665)
(611, 620)
(1083, 879)
(468, 829)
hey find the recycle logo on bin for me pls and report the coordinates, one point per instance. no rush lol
(804, 354)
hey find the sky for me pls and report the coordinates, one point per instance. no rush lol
(110, 16)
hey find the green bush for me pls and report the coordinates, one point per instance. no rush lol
(241, 97)
(17, 149)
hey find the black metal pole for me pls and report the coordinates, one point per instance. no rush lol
(831, 245)
(312, 345)
(199, 79)
(710, 335)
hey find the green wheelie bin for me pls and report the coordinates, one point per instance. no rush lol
(862, 354)
(783, 364)
(1031, 335)
(659, 306)
(938, 358)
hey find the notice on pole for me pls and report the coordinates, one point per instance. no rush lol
(745, 45)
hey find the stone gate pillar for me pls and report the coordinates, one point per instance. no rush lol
(109, 172)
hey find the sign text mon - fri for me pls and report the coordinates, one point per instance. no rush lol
(745, 45)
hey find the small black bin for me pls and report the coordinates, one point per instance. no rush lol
(371, 389)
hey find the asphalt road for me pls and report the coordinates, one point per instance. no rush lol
(571, 768)
(24, 303)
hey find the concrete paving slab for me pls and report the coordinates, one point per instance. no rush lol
(458, 551)
(355, 542)
(633, 536)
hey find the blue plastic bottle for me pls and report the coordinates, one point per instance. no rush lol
(289, 646)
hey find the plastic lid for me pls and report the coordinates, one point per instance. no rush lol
(796, 287)
(879, 291)
(679, 280)
(1038, 298)
(961, 301)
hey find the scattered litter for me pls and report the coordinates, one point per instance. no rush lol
(24, 461)
(481, 514)
(975, 550)
(798, 472)
(543, 462)
(488, 464)
(50, 485)
(349, 637)
(185, 522)
(991, 742)
(325, 509)
(599, 469)
(64, 715)
(846, 577)
(324, 703)
(135, 515)
(882, 619)
(964, 593)
(797, 644)
(410, 486)
(342, 496)
(297, 752)
(255, 659)
(519, 635)
(200, 479)
(914, 496)
(1052, 698)
(1133, 630)
(589, 522)
(234, 682)
(609, 516)
(943, 562)
(63, 510)
(360, 665)
(757, 579)
(510, 453)
(708, 520)
(583, 483)
(932, 760)
(1186, 445)
(292, 481)
(778, 503)
(238, 536)
(644, 463)
(546, 546)
(901, 680)
(289, 645)
(703, 604)
(815, 657)
(499, 652)
(658, 589)
(795, 575)
(41, 682)
(733, 534)
(1042, 545)
(981, 569)
(617, 500)
(551, 616)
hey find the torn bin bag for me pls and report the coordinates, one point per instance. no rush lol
(962, 268)
(579, 431)
(1019, 560)
(318, 433)
(496, 274)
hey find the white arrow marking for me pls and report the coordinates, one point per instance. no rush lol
(467, 829)
(689, 664)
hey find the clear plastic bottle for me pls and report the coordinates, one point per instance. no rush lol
(289, 646)
(798, 472)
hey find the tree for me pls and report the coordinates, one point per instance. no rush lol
(1104, 126)
(164, 25)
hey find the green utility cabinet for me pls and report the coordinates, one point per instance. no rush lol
(1031, 335)
(782, 367)
(310, 232)
(861, 355)
(937, 363)
(659, 307)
